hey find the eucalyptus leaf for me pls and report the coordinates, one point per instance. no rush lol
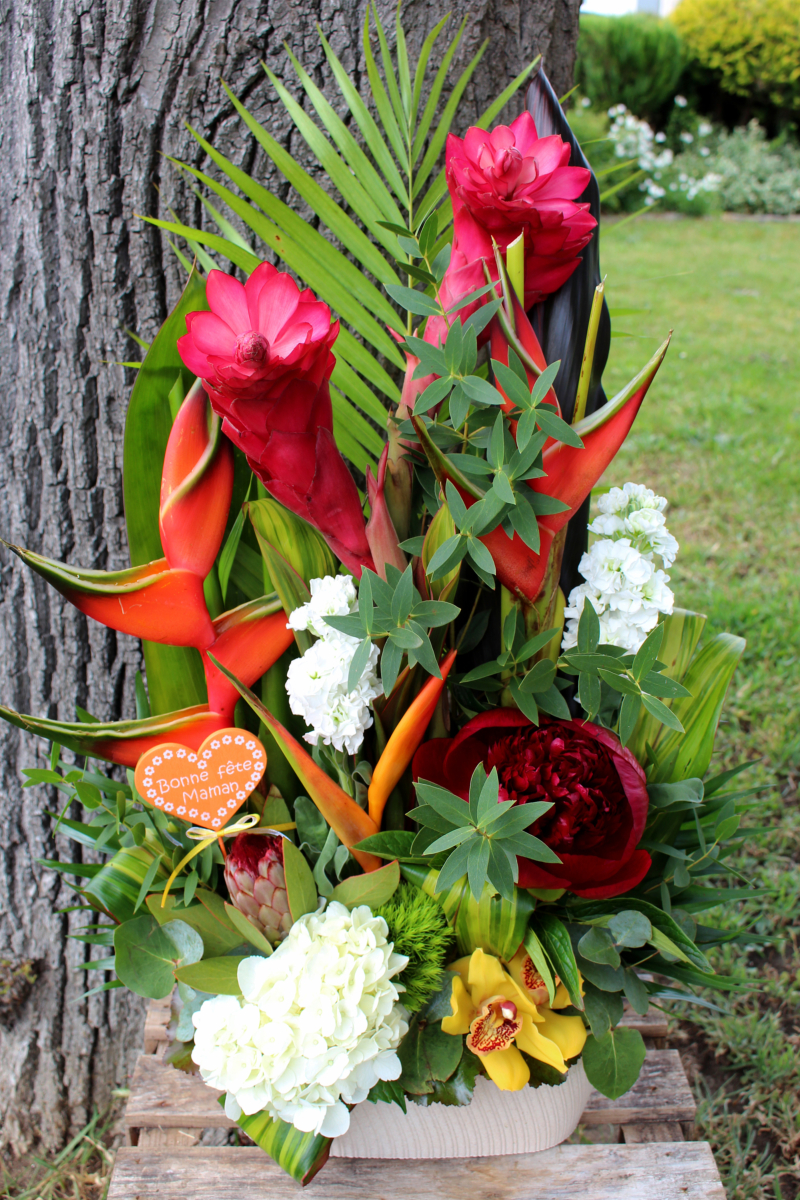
(613, 1061)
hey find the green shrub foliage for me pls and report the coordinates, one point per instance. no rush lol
(751, 46)
(635, 60)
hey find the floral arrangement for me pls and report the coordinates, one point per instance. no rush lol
(485, 823)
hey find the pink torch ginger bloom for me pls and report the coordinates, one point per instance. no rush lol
(511, 181)
(258, 338)
(264, 355)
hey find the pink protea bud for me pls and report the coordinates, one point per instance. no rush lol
(257, 884)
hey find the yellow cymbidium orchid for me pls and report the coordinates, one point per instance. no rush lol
(501, 1019)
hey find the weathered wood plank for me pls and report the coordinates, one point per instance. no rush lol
(661, 1093)
(653, 1024)
(679, 1171)
(163, 1097)
(149, 1139)
(653, 1131)
(155, 1025)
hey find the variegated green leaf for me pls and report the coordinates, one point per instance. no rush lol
(707, 679)
(300, 1155)
(115, 888)
(682, 630)
(441, 529)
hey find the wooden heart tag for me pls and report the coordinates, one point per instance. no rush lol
(206, 787)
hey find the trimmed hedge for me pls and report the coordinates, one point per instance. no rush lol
(751, 46)
(635, 60)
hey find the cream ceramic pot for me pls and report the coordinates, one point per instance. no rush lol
(494, 1122)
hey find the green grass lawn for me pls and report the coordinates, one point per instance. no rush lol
(719, 435)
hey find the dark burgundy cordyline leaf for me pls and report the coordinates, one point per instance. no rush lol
(562, 319)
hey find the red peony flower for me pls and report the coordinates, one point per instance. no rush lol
(511, 181)
(264, 355)
(597, 788)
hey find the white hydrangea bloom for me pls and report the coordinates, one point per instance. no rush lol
(627, 591)
(316, 683)
(316, 1028)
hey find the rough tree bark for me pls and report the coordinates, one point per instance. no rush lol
(93, 93)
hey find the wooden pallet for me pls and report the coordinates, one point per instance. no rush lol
(169, 1111)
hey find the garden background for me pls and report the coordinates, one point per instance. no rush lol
(703, 123)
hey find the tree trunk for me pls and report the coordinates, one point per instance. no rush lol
(93, 94)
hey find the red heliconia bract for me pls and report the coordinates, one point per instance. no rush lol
(264, 355)
(256, 882)
(164, 601)
(196, 487)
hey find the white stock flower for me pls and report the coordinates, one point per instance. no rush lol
(636, 512)
(316, 683)
(317, 1025)
(332, 596)
(626, 589)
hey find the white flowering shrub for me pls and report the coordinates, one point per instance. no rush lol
(316, 683)
(666, 177)
(627, 590)
(691, 166)
(316, 1027)
(755, 175)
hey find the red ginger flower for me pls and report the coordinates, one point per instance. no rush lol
(597, 788)
(258, 338)
(264, 355)
(511, 181)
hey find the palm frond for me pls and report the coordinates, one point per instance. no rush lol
(373, 165)
(403, 72)
(382, 102)
(420, 73)
(389, 74)
(332, 163)
(435, 93)
(368, 128)
(352, 152)
(436, 144)
(361, 360)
